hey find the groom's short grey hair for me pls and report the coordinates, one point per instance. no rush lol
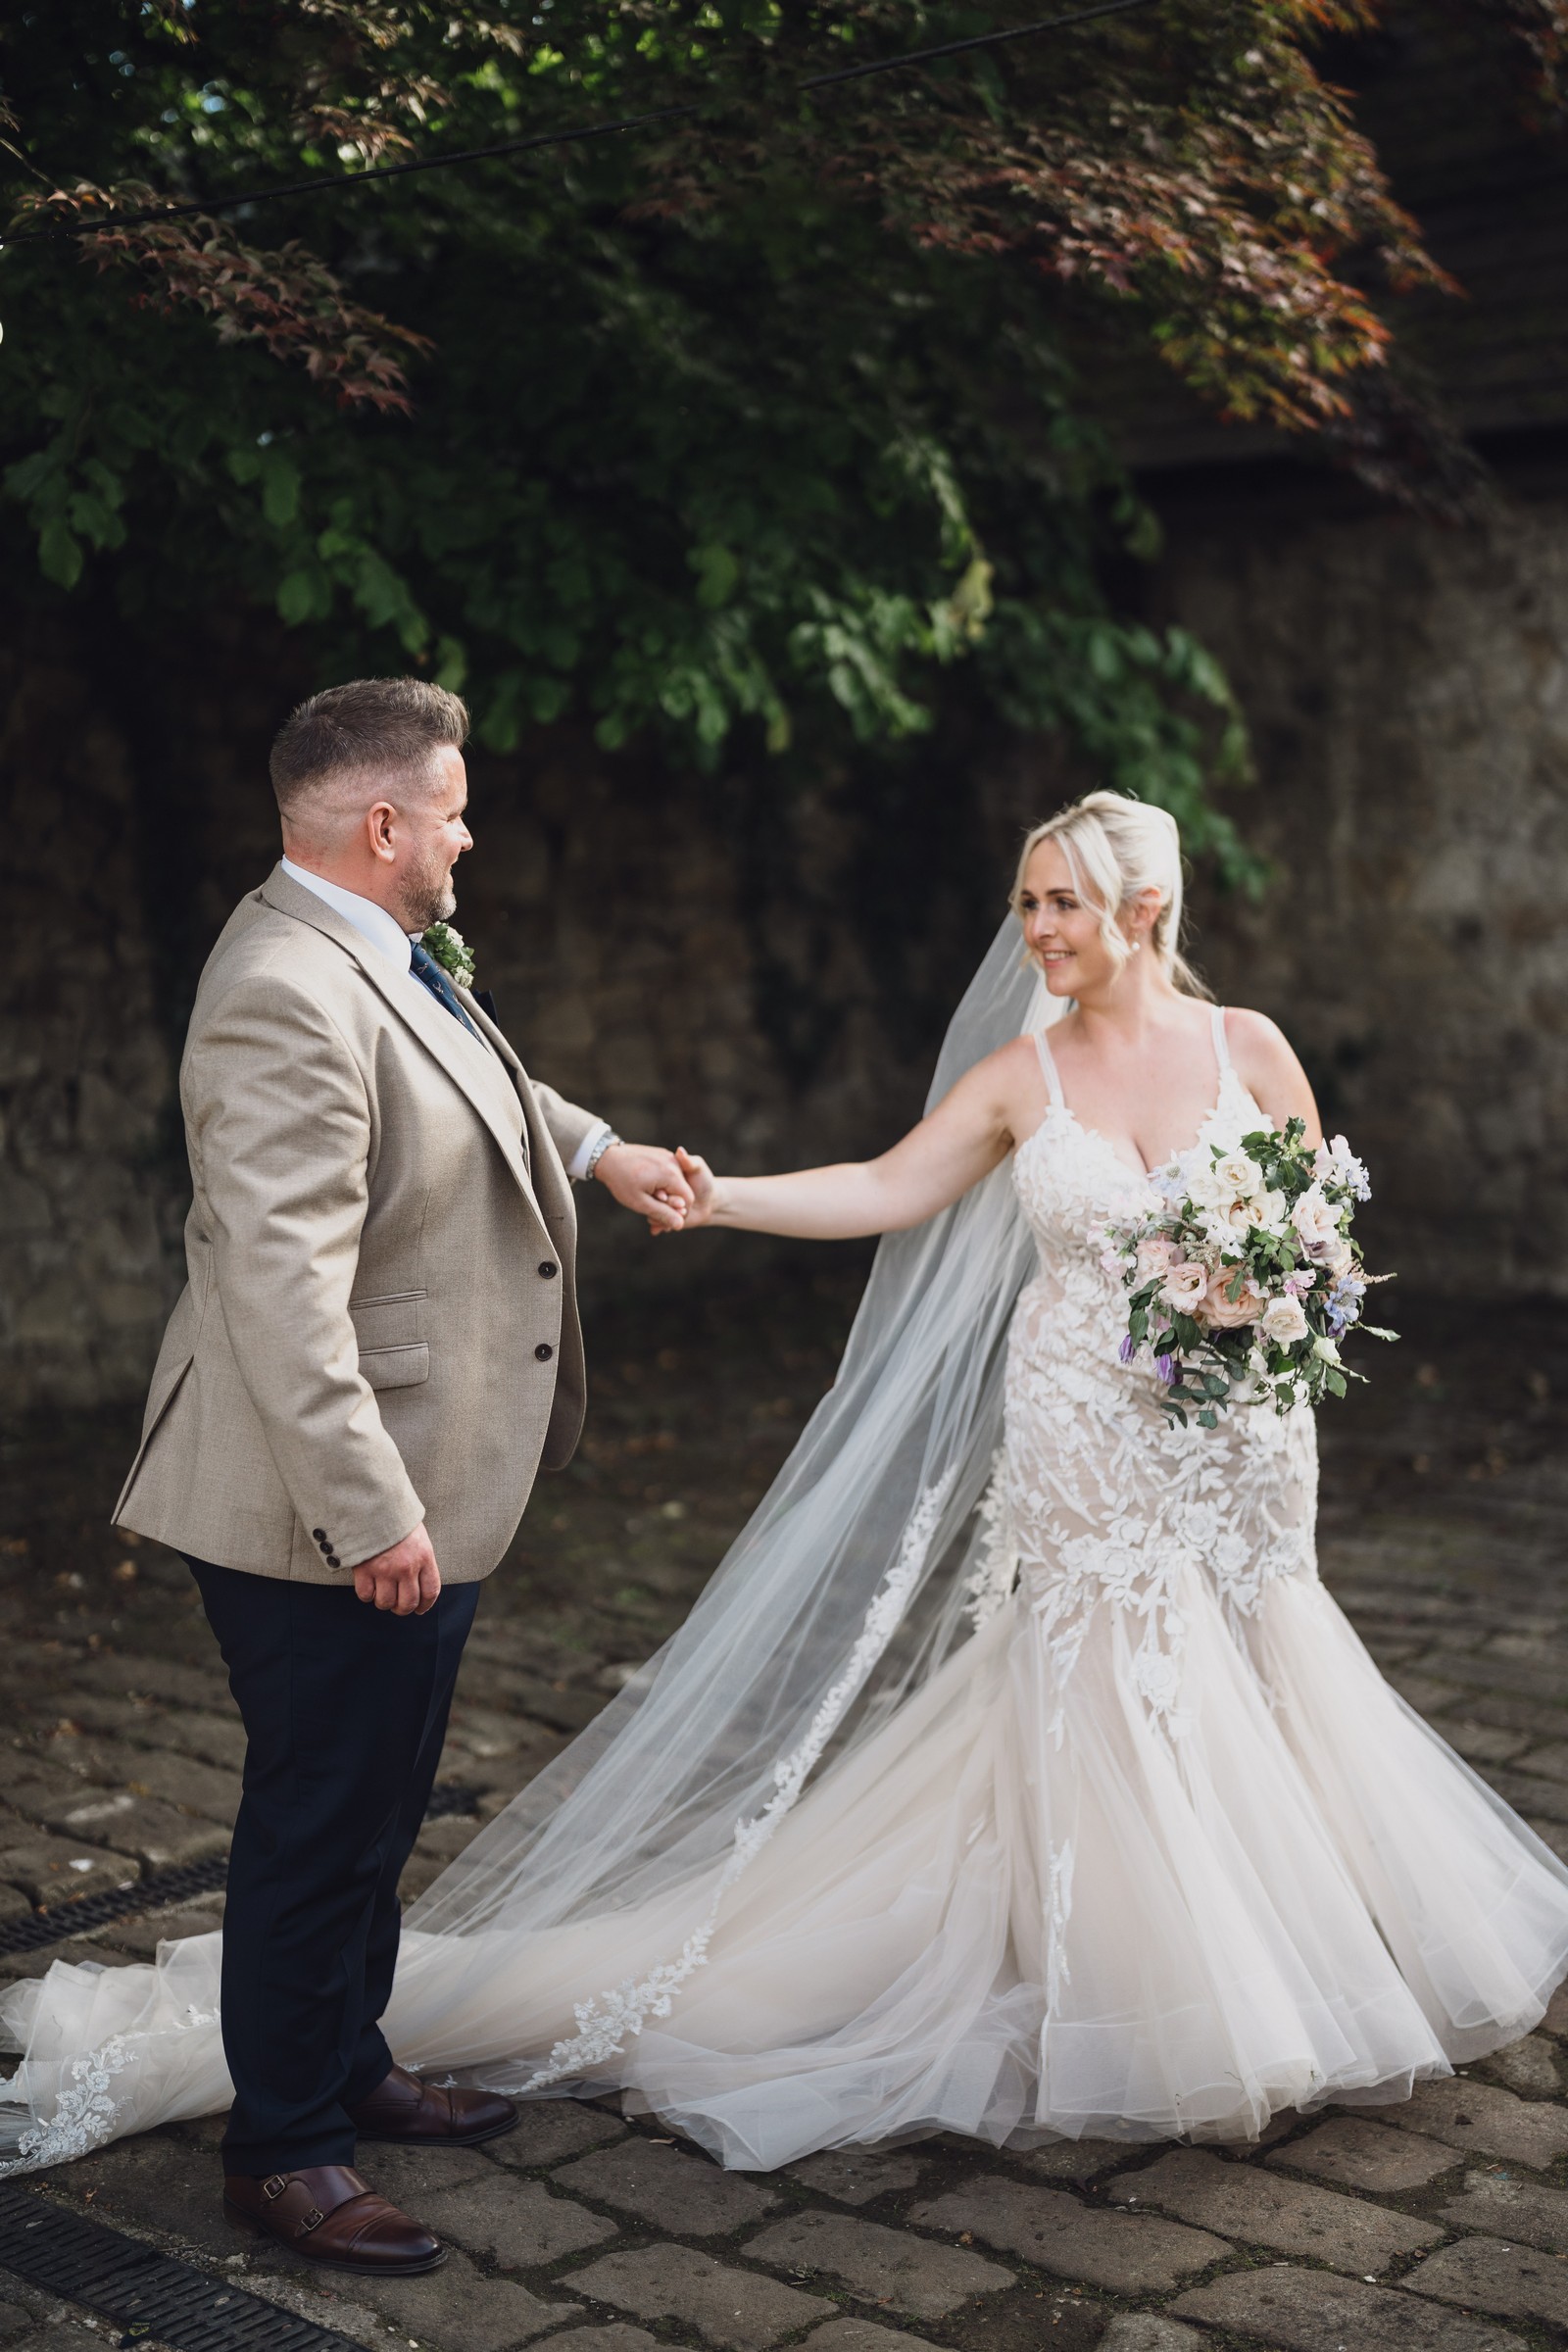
(373, 727)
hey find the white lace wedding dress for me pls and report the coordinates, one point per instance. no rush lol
(1155, 1852)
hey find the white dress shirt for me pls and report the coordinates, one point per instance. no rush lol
(388, 937)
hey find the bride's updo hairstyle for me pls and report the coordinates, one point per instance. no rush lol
(1116, 848)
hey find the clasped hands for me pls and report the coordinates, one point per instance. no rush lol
(670, 1189)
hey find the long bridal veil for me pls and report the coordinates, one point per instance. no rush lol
(851, 1583)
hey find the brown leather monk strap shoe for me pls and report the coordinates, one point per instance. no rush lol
(402, 2108)
(327, 2214)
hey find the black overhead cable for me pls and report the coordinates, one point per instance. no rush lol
(340, 183)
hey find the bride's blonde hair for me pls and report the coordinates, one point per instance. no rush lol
(1115, 848)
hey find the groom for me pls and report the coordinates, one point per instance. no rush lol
(376, 1349)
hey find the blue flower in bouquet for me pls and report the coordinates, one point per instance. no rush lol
(1344, 1305)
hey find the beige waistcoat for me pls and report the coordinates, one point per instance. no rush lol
(379, 1324)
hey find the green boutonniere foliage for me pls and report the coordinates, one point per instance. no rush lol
(452, 953)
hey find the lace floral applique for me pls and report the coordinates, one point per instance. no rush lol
(86, 2114)
(1107, 1505)
(610, 2018)
(991, 1586)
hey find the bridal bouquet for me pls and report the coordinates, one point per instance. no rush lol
(1244, 1282)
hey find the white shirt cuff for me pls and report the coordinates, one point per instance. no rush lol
(585, 1150)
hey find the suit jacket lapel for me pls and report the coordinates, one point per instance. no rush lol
(418, 1009)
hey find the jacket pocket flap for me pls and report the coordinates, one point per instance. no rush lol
(396, 1367)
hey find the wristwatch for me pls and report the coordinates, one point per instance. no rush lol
(598, 1153)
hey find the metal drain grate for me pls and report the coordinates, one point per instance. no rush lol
(449, 1799)
(149, 2293)
(117, 1902)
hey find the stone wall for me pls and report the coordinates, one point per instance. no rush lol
(759, 966)
(1408, 687)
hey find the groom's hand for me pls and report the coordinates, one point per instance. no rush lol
(405, 1580)
(648, 1180)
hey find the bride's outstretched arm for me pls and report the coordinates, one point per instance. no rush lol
(963, 1140)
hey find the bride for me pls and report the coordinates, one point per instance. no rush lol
(1015, 1775)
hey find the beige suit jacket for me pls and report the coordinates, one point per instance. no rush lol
(381, 1321)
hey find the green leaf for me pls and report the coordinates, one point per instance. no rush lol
(280, 489)
(59, 554)
(299, 597)
(719, 573)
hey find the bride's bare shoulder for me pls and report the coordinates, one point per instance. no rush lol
(1008, 1082)
(1267, 1063)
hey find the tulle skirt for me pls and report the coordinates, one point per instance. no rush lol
(1025, 1911)
(1027, 1907)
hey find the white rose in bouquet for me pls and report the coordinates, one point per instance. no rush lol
(1276, 1209)
(1284, 1320)
(1236, 1177)
(1315, 1218)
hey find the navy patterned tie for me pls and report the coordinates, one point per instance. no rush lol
(424, 966)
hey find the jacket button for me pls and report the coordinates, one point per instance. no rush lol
(544, 1351)
(319, 1534)
(332, 1560)
(550, 1269)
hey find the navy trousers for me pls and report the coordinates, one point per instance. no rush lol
(345, 1709)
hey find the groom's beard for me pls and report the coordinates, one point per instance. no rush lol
(428, 897)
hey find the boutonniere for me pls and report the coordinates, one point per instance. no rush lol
(452, 953)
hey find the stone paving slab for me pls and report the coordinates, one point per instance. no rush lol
(1241, 2201)
(1488, 2273)
(458, 2309)
(1520, 2210)
(883, 2266)
(1149, 2331)
(1072, 2159)
(860, 2336)
(1529, 2066)
(159, 1837)
(61, 1870)
(858, 2176)
(410, 2175)
(549, 2130)
(1359, 2154)
(1313, 2310)
(682, 2193)
(1477, 2116)
(617, 2335)
(736, 2310)
(519, 2224)
(158, 2184)
(150, 1767)
(1131, 2254)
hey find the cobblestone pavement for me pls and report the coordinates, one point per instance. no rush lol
(1438, 2226)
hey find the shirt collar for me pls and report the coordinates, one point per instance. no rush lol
(373, 923)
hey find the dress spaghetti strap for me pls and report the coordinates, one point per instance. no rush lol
(1048, 1068)
(1222, 1051)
